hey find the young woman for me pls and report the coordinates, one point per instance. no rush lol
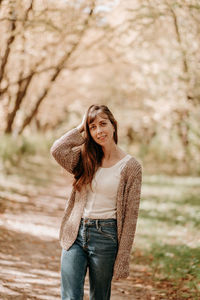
(99, 222)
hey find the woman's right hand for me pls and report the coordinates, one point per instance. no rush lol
(81, 126)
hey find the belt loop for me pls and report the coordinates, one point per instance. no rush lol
(97, 224)
(84, 222)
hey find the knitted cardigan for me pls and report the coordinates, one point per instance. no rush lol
(66, 151)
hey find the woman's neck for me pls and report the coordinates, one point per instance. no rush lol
(112, 153)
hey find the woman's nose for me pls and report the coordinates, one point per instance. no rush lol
(99, 129)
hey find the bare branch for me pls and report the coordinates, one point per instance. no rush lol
(60, 66)
(12, 38)
(28, 11)
(22, 86)
(7, 51)
(178, 36)
(20, 96)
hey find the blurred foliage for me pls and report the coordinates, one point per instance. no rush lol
(15, 150)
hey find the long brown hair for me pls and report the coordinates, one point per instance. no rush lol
(91, 152)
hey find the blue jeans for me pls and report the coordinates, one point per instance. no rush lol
(95, 247)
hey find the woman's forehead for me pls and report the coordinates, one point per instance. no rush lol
(98, 117)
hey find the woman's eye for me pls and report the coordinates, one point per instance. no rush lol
(103, 123)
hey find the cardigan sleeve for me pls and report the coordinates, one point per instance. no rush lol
(132, 200)
(65, 150)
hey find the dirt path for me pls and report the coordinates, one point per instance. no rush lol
(30, 251)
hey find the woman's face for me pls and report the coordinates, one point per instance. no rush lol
(101, 129)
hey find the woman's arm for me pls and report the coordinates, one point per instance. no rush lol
(65, 150)
(132, 199)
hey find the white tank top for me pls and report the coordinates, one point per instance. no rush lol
(101, 200)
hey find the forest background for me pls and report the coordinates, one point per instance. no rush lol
(141, 58)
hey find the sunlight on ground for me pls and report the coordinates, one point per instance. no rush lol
(30, 221)
(25, 226)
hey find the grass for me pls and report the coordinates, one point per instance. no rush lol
(177, 264)
(168, 232)
(176, 261)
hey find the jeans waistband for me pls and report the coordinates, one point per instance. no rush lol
(96, 222)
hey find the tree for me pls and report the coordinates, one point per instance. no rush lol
(42, 40)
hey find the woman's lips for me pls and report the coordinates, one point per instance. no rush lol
(102, 137)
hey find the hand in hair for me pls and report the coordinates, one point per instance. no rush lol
(81, 126)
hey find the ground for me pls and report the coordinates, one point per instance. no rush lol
(31, 212)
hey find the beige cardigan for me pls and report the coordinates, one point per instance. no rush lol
(66, 152)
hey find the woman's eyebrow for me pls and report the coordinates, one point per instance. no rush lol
(99, 122)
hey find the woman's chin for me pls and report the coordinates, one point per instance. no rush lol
(101, 143)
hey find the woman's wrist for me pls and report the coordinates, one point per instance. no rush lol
(80, 128)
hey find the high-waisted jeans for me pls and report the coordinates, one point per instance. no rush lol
(95, 248)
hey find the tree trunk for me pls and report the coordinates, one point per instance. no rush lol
(59, 68)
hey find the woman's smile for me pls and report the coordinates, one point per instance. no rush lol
(102, 137)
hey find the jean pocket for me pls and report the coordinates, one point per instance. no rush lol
(109, 231)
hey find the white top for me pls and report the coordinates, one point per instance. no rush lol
(101, 200)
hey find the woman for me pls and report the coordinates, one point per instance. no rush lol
(99, 223)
